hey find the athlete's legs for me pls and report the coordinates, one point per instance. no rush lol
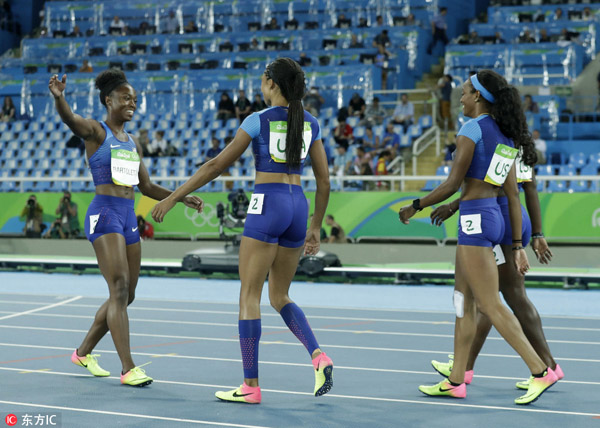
(481, 274)
(484, 325)
(512, 286)
(256, 258)
(99, 327)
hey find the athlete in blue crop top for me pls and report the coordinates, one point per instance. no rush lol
(275, 229)
(110, 223)
(484, 163)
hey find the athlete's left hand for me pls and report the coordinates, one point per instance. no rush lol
(312, 243)
(194, 202)
(541, 250)
(521, 262)
(162, 208)
(405, 213)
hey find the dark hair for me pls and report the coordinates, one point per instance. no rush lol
(288, 75)
(329, 216)
(385, 153)
(507, 110)
(108, 81)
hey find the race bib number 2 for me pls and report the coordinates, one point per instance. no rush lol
(470, 224)
(502, 162)
(277, 140)
(256, 203)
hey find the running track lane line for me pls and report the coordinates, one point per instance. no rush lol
(131, 415)
(43, 308)
(329, 396)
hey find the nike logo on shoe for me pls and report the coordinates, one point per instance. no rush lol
(235, 394)
(445, 389)
(82, 363)
(133, 230)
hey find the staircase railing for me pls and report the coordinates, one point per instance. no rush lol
(432, 135)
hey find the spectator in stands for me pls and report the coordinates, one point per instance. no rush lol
(363, 23)
(9, 111)
(33, 215)
(379, 21)
(337, 235)
(374, 114)
(171, 23)
(254, 45)
(544, 37)
(362, 166)
(370, 141)
(158, 147)
(567, 36)
(391, 140)
(313, 101)
(258, 104)
(76, 32)
(498, 40)
(145, 28)
(342, 160)
(445, 86)
(342, 21)
(55, 231)
(144, 141)
(272, 25)
(381, 61)
(385, 157)
(474, 38)
(145, 228)
(530, 106)
(226, 108)
(540, 147)
(214, 150)
(382, 39)
(438, 30)
(587, 14)
(304, 60)
(411, 20)
(342, 133)
(357, 106)
(119, 24)
(86, 67)
(404, 113)
(558, 15)
(355, 43)
(526, 37)
(171, 150)
(67, 214)
(190, 27)
(243, 107)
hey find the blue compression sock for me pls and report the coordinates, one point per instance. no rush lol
(297, 323)
(249, 337)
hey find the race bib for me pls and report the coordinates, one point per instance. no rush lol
(470, 223)
(93, 223)
(524, 172)
(499, 255)
(502, 161)
(277, 140)
(124, 167)
(256, 203)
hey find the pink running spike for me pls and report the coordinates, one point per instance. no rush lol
(558, 372)
(468, 376)
(322, 361)
(252, 393)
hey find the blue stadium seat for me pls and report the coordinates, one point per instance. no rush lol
(577, 160)
(425, 121)
(545, 170)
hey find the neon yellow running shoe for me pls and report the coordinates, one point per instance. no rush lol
(524, 384)
(445, 388)
(323, 374)
(136, 377)
(537, 386)
(445, 368)
(243, 394)
(89, 362)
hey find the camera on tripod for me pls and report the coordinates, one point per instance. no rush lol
(232, 215)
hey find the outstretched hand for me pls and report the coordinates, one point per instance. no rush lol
(440, 214)
(57, 86)
(194, 202)
(162, 208)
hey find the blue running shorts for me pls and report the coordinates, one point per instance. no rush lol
(277, 214)
(480, 223)
(525, 221)
(111, 214)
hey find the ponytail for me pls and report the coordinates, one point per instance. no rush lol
(507, 111)
(288, 75)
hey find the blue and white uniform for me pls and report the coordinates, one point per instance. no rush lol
(524, 174)
(115, 162)
(278, 212)
(481, 223)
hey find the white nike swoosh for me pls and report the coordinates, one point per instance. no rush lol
(112, 147)
(133, 230)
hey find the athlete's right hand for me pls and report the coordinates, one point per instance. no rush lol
(57, 86)
(440, 214)
(312, 243)
(521, 261)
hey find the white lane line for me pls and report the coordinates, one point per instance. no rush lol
(130, 415)
(356, 397)
(280, 342)
(324, 330)
(287, 364)
(43, 308)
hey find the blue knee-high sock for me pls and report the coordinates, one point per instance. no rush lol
(249, 337)
(297, 323)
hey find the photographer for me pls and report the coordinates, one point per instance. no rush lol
(55, 231)
(33, 214)
(67, 214)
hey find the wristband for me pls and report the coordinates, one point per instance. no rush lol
(520, 247)
(416, 204)
(517, 240)
(537, 235)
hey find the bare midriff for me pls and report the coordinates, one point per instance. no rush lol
(277, 177)
(473, 188)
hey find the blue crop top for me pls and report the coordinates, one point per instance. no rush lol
(486, 135)
(267, 128)
(100, 161)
